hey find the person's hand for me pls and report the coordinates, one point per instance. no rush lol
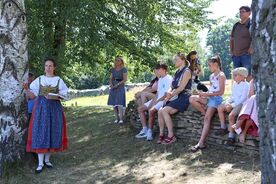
(25, 86)
(203, 94)
(250, 51)
(168, 95)
(228, 108)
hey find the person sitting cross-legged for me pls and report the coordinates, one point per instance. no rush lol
(155, 104)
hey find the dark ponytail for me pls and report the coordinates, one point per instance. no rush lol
(216, 59)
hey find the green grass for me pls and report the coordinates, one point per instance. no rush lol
(95, 100)
(103, 152)
(102, 100)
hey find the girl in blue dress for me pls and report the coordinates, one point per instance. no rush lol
(177, 98)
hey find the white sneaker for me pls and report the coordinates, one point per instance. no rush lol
(142, 134)
(116, 121)
(149, 135)
(121, 121)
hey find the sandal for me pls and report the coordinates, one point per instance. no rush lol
(196, 148)
(169, 140)
(160, 139)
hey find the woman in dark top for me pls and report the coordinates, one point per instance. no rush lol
(177, 98)
(195, 67)
(117, 95)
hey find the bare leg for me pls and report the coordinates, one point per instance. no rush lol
(143, 97)
(116, 112)
(221, 110)
(138, 98)
(149, 95)
(139, 102)
(207, 121)
(231, 121)
(166, 113)
(244, 131)
(196, 102)
(141, 111)
(121, 112)
(161, 122)
(152, 112)
(238, 124)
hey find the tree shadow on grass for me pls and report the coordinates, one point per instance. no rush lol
(103, 152)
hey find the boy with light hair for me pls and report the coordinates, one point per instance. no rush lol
(233, 104)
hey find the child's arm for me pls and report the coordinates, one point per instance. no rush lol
(244, 92)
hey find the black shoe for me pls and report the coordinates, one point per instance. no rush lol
(221, 132)
(38, 171)
(230, 141)
(48, 165)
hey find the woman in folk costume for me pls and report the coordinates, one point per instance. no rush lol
(47, 127)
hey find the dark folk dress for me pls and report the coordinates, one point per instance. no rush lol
(181, 103)
(47, 127)
(117, 96)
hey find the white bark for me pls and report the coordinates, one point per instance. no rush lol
(264, 43)
(13, 72)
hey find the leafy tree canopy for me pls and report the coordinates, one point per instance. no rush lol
(218, 41)
(84, 36)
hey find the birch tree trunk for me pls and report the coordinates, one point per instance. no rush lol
(264, 59)
(13, 71)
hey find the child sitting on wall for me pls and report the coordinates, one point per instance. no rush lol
(233, 104)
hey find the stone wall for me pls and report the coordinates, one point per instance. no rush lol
(188, 125)
(103, 90)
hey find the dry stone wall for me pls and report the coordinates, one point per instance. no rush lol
(188, 125)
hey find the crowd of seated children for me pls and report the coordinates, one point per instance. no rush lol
(173, 96)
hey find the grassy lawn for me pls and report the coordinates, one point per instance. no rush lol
(102, 100)
(103, 152)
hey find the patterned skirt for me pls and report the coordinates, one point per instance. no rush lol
(47, 127)
(117, 97)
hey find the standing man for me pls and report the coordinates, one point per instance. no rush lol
(240, 41)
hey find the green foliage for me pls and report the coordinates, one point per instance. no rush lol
(218, 41)
(87, 34)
